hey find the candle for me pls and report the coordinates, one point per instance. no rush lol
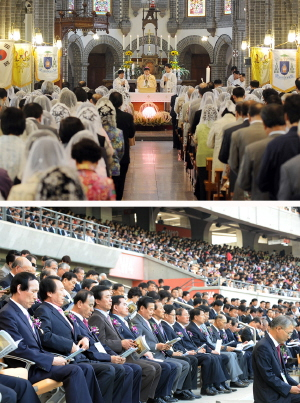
(123, 42)
(133, 68)
(160, 41)
(168, 42)
(207, 74)
(175, 42)
(130, 42)
(137, 43)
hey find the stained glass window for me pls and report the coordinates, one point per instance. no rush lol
(196, 8)
(71, 4)
(227, 7)
(102, 6)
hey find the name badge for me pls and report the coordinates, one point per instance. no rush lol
(284, 378)
(100, 348)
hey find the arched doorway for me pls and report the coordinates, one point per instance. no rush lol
(97, 65)
(199, 61)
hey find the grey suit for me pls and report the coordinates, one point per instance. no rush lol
(290, 180)
(194, 106)
(108, 335)
(250, 167)
(182, 367)
(239, 141)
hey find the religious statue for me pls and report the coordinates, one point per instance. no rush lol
(146, 80)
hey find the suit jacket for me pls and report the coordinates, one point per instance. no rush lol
(212, 314)
(151, 338)
(6, 281)
(14, 322)
(289, 188)
(170, 332)
(198, 336)
(250, 167)
(186, 338)
(226, 142)
(126, 124)
(231, 337)
(278, 151)
(268, 384)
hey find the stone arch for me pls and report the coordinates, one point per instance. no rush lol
(114, 44)
(75, 62)
(195, 40)
(220, 51)
(144, 41)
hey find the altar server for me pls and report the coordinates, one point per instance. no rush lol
(120, 82)
(168, 81)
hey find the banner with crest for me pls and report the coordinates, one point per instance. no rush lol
(6, 63)
(284, 69)
(47, 63)
(23, 62)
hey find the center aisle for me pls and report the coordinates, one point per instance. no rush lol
(156, 174)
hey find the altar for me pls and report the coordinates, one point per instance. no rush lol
(159, 98)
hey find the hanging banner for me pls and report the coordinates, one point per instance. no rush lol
(47, 63)
(22, 69)
(260, 63)
(284, 70)
(6, 63)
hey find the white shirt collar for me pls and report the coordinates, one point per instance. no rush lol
(171, 326)
(120, 317)
(78, 315)
(277, 131)
(183, 327)
(274, 341)
(157, 321)
(255, 121)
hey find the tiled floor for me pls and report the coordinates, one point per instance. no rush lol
(243, 395)
(155, 173)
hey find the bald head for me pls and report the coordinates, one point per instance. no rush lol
(21, 264)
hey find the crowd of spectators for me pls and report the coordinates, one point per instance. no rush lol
(238, 267)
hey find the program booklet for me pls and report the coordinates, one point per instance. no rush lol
(7, 344)
(142, 346)
(171, 342)
(128, 352)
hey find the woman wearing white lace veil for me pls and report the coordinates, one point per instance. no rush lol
(46, 152)
(208, 116)
(126, 99)
(101, 167)
(224, 97)
(102, 90)
(59, 112)
(68, 98)
(215, 136)
(47, 118)
(207, 99)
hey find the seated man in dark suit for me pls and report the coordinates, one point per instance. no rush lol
(62, 335)
(272, 382)
(126, 387)
(80, 383)
(247, 334)
(215, 309)
(19, 265)
(155, 376)
(16, 390)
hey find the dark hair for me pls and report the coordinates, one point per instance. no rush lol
(198, 301)
(292, 108)
(116, 99)
(13, 121)
(69, 275)
(254, 84)
(185, 293)
(98, 291)
(86, 150)
(245, 107)
(194, 312)
(120, 71)
(66, 259)
(168, 65)
(116, 300)
(236, 72)
(116, 286)
(273, 115)
(21, 279)
(3, 93)
(47, 285)
(168, 308)
(68, 127)
(239, 108)
(145, 301)
(233, 307)
(255, 109)
(256, 320)
(10, 258)
(91, 272)
(233, 68)
(253, 310)
(232, 321)
(179, 311)
(134, 292)
(268, 92)
(106, 283)
(65, 84)
(238, 92)
(82, 296)
(154, 295)
(81, 94)
(33, 110)
(217, 82)
(164, 294)
(242, 308)
(143, 285)
(78, 269)
(87, 283)
(217, 302)
(274, 99)
(203, 308)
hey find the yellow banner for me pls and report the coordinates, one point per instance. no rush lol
(260, 63)
(22, 67)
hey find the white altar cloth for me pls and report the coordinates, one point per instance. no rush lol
(150, 97)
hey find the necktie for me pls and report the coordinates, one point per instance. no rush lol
(162, 331)
(109, 321)
(86, 323)
(30, 322)
(63, 315)
(279, 354)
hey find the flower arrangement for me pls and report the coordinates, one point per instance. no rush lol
(116, 323)
(94, 329)
(128, 53)
(180, 334)
(174, 53)
(135, 330)
(160, 118)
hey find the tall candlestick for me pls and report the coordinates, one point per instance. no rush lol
(168, 42)
(129, 42)
(207, 74)
(175, 42)
(137, 43)
(160, 42)
(123, 42)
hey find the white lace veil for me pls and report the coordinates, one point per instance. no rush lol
(60, 111)
(68, 98)
(209, 115)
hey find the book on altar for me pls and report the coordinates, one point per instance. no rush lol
(142, 346)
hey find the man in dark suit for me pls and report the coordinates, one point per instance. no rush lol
(281, 149)
(126, 387)
(247, 333)
(20, 264)
(215, 309)
(272, 382)
(79, 271)
(80, 383)
(62, 335)
(154, 375)
(13, 390)
(126, 124)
